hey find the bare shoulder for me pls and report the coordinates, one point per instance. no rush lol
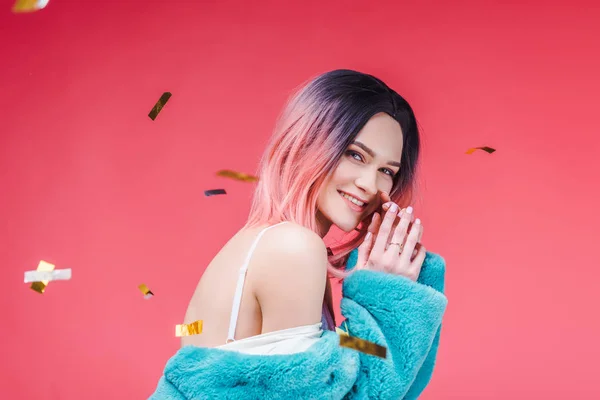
(290, 275)
(291, 239)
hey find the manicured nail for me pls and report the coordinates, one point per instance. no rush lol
(368, 236)
(418, 221)
(394, 207)
(409, 210)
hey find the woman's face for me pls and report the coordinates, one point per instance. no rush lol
(366, 169)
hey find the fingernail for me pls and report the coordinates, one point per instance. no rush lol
(409, 210)
(368, 236)
(394, 207)
(418, 221)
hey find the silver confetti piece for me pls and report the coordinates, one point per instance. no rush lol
(55, 275)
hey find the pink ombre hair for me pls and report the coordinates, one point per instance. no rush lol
(314, 130)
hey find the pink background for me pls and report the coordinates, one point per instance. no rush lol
(89, 182)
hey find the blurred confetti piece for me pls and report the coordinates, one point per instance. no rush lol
(146, 290)
(195, 328)
(341, 332)
(240, 176)
(487, 149)
(46, 276)
(29, 5)
(363, 346)
(159, 105)
(214, 192)
(43, 266)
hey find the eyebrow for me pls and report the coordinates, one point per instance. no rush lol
(372, 153)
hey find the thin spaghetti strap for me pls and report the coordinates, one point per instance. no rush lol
(237, 299)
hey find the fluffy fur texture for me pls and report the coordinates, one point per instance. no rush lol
(393, 311)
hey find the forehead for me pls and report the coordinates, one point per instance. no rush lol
(383, 135)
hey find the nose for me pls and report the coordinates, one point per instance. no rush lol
(367, 182)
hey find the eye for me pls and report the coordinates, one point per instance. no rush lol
(388, 172)
(354, 155)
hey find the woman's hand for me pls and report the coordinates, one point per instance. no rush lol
(393, 246)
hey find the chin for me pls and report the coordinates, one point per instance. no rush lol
(346, 226)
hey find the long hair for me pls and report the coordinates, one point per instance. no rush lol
(316, 127)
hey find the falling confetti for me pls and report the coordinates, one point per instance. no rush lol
(40, 287)
(46, 276)
(29, 5)
(195, 328)
(214, 192)
(487, 149)
(363, 346)
(240, 176)
(159, 105)
(340, 331)
(146, 291)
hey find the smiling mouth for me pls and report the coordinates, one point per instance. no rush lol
(353, 202)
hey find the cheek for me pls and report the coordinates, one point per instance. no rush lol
(385, 185)
(344, 173)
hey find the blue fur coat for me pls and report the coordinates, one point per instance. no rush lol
(390, 310)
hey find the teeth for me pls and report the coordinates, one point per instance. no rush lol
(353, 200)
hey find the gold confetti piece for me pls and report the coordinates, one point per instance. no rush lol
(40, 287)
(340, 331)
(29, 5)
(195, 328)
(240, 176)
(213, 192)
(147, 292)
(363, 346)
(159, 105)
(485, 148)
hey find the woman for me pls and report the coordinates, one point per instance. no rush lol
(343, 153)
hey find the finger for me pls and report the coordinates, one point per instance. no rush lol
(375, 223)
(386, 206)
(399, 234)
(421, 233)
(384, 231)
(410, 244)
(365, 248)
(395, 224)
(418, 261)
(415, 251)
(363, 251)
(385, 197)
